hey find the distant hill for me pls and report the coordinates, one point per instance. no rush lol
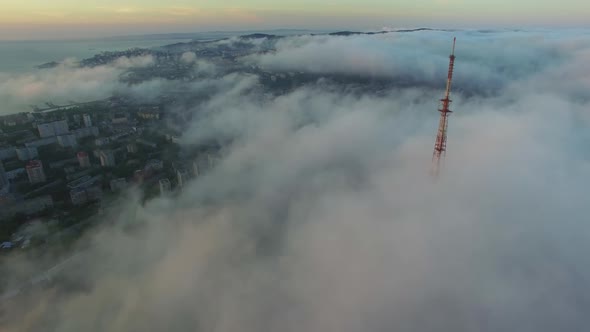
(352, 33)
(259, 36)
(48, 65)
(204, 43)
(269, 35)
(215, 35)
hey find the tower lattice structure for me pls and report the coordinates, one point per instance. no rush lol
(440, 146)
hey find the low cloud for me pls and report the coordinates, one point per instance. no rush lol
(322, 214)
(134, 62)
(64, 83)
(188, 57)
(488, 61)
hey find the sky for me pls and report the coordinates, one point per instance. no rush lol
(64, 19)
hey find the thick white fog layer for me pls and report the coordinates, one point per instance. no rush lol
(322, 215)
(64, 83)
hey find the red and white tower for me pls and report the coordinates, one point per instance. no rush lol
(440, 147)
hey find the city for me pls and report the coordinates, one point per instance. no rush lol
(65, 165)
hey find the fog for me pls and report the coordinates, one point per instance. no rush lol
(64, 83)
(322, 215)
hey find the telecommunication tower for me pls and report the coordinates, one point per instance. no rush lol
(440, 147)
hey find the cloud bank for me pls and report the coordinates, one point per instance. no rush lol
(488, 61)
(68, 82)
(321, 215)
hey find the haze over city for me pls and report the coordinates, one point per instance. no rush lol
(294, 166)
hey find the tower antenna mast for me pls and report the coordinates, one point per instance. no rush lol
(440, 146)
